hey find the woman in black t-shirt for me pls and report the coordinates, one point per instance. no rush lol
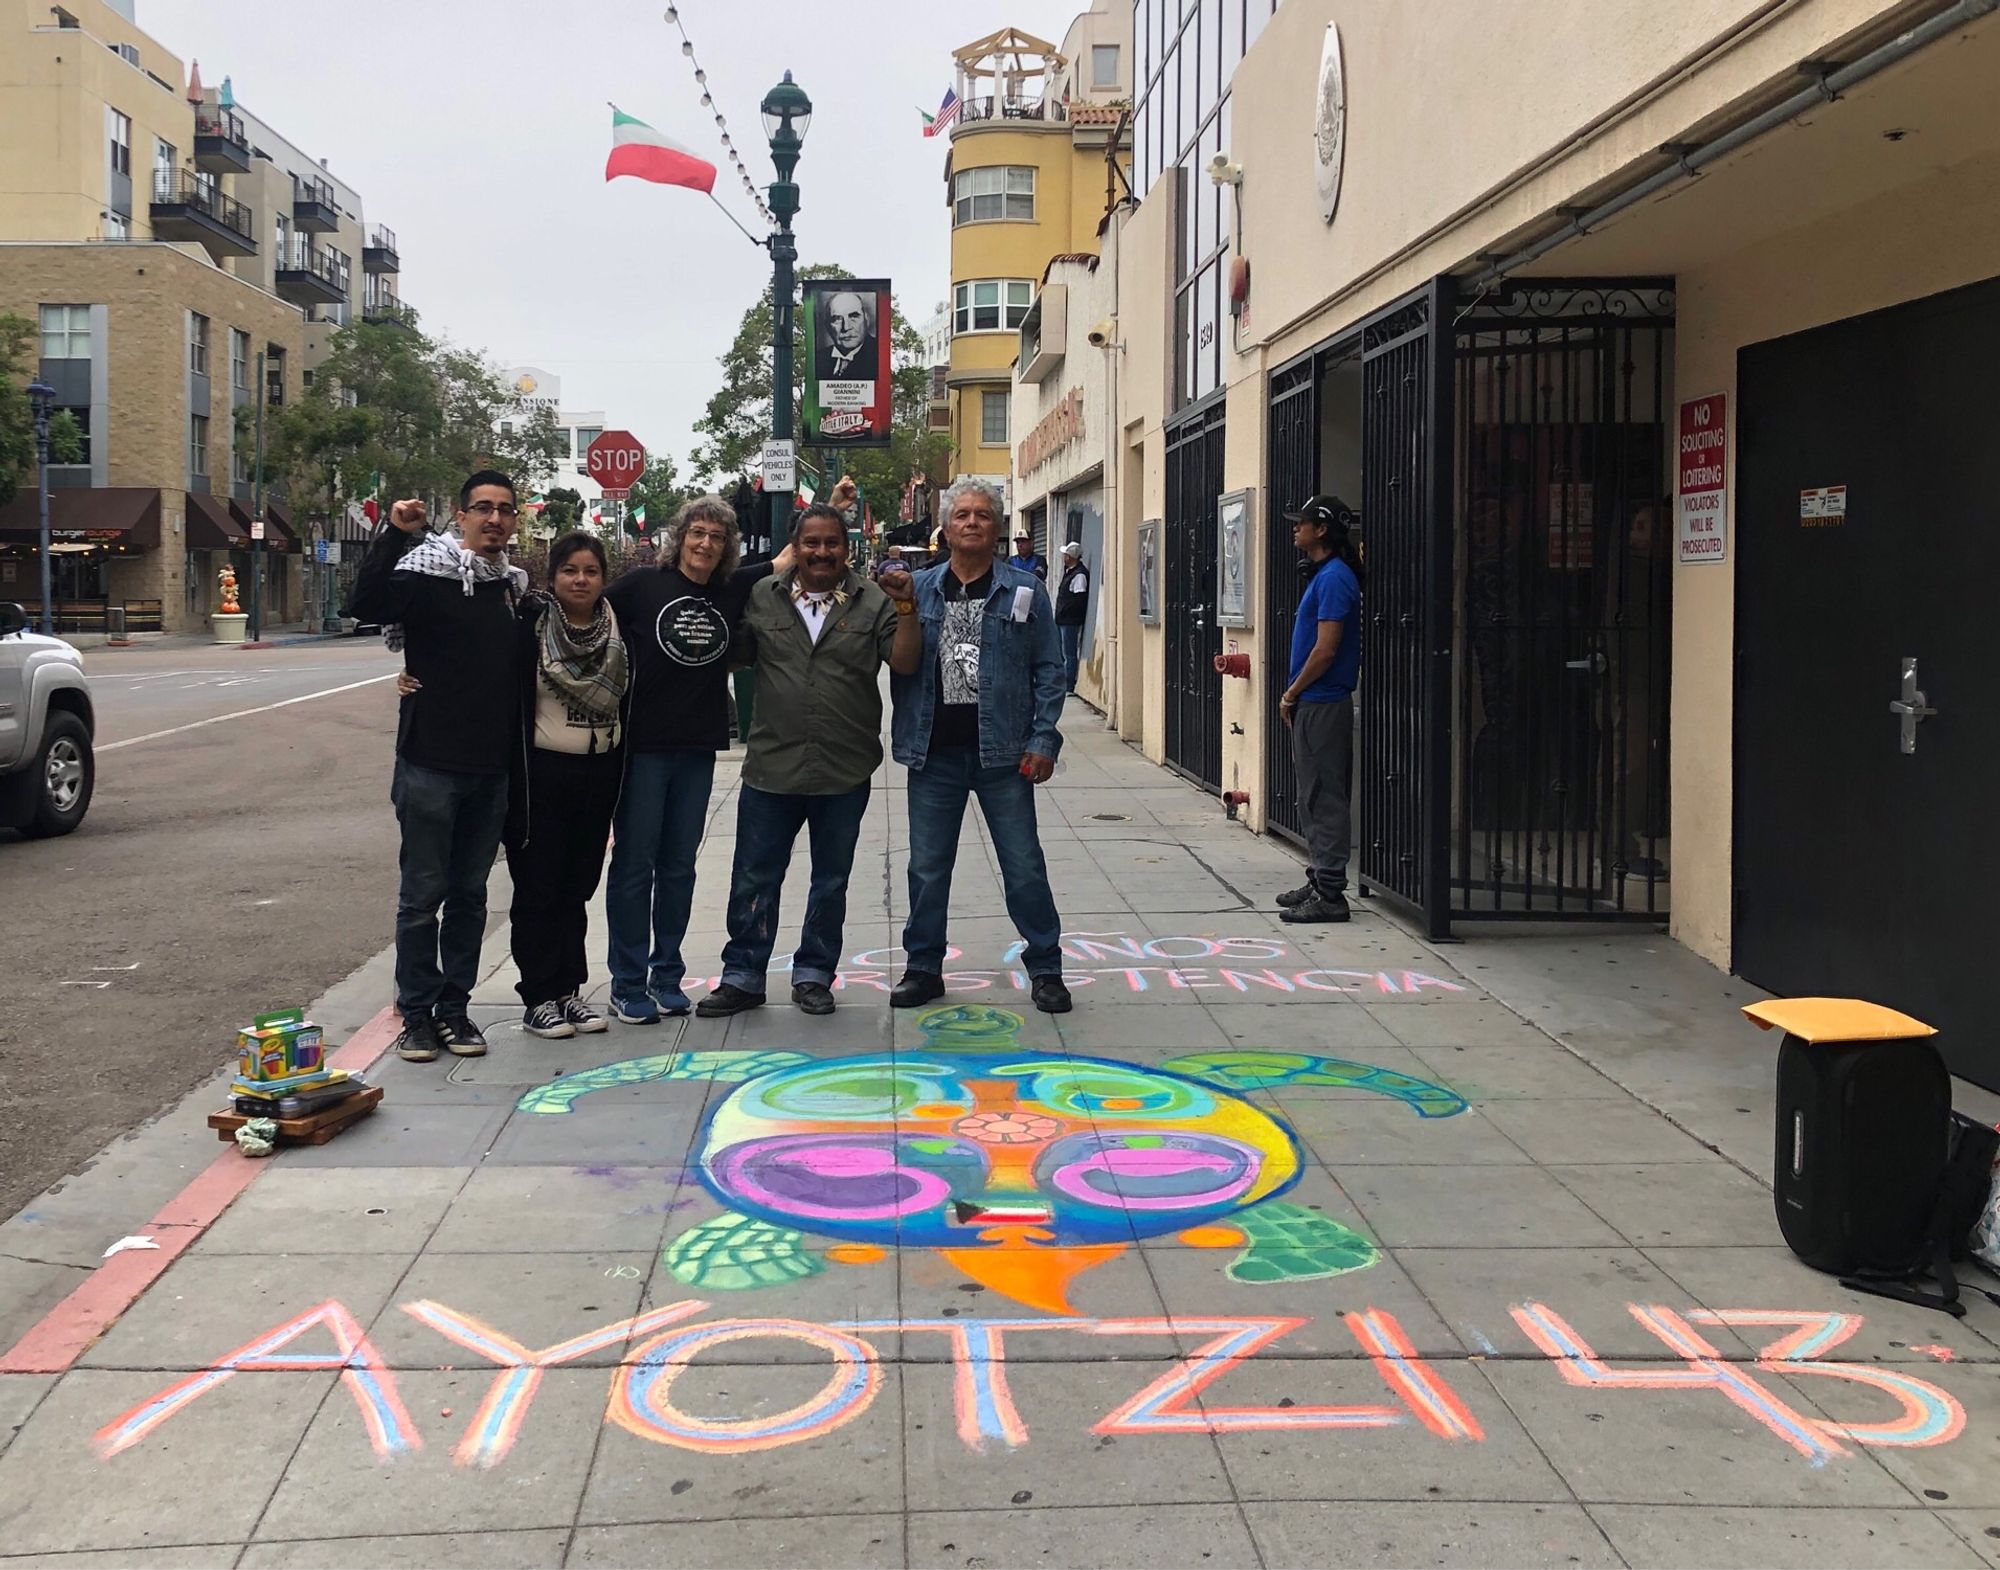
(679, 621)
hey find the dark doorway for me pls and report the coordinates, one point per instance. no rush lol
(1194, 636)
(1861, 868)
(1563, 393)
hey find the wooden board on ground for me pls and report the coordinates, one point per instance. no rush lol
(315, 1128)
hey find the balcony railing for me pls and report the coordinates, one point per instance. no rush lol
(313, 206)
(379, 254)
(221, 145)
(188, 208)
(1000, 106)
(310, 276)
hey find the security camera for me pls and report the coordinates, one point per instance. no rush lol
(1103, 334)
(1223, 172)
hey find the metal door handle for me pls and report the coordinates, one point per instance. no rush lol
(1596, 664)
(1913, 708)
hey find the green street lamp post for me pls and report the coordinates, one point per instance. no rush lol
(787, 112)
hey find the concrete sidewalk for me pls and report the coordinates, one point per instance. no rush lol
(1289, 1246)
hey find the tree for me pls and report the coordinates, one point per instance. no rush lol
(17, 422)
(65, 438)
(658, 491)
(738, 419)
(561, 508)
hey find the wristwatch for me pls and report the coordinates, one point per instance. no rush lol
(905, 607)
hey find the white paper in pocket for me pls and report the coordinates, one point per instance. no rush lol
(1024, 603)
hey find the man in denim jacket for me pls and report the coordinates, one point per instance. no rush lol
(979, 718)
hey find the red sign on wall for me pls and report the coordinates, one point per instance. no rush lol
(1703, 487)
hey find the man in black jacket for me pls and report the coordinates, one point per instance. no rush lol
(1072, 607)
(448, 605)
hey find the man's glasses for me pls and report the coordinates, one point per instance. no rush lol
(491, 509)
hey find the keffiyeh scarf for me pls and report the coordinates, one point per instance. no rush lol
(585, 667)
(440, 556)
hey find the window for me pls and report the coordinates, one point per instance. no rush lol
(198, 445)
(585, 435)
(987, 195)
(239, 359)
(993, 418)
(274, 374)
(242, 462)
(118, 132)
(65, 332)
(166, 168)
(562, 441)
(81, 414)
(1103, 65)
(198, 343)
(506, 426)
(991, 305)
(117, 226)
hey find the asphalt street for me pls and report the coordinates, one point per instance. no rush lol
(232, 862)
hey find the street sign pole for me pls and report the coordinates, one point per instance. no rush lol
(257, 516)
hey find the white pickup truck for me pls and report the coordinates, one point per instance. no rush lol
(47, 766)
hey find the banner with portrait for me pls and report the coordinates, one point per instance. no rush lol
(849, 388)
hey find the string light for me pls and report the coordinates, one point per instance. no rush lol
(673, 17)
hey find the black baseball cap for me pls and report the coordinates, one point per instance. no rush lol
(1325, 509)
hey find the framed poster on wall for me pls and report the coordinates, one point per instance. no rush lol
(1149, 573)
(848, 390)
(1232, 559)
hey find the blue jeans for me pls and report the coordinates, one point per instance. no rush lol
(937, 808)
(451, 831)
(650, 889)
(766, 827)
(1072, 645)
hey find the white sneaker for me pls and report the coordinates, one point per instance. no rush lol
(588, 1021)
(548, 1021)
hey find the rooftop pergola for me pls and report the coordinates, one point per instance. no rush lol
(1007, 58)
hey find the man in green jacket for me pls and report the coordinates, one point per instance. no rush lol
(818, 636)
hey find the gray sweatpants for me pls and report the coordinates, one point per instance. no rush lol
(1323, 755)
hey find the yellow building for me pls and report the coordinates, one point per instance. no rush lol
(1029, 178)
(161, 239)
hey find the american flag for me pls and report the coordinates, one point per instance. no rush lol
(947, 112)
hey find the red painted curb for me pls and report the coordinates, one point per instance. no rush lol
(62, 1335)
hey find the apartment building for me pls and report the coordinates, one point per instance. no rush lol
(163, 241)
(1029, 177)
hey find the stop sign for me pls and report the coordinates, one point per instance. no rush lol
(615, 460)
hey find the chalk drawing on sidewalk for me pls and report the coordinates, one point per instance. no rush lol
(842, 1372)
(1021, 1168)
(1183, 962)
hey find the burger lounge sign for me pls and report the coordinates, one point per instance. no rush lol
(1058, 428)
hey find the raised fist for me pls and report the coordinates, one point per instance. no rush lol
(412, 517)
(895, 582)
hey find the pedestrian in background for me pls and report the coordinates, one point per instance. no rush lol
(818, 635)
(1025, 559)
(448, 605)
(1318, 704)
(1072, 606)
(679, 620)
(979, 717)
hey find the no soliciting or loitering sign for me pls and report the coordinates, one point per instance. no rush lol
(1704, 480)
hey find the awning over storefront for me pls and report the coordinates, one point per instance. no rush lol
(212, 525)
(279, 535)
(114, 515)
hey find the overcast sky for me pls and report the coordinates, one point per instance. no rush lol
(477, 130)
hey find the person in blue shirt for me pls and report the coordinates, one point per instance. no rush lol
(1024, 557)
(1318, 704)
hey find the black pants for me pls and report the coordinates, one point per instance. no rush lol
(570, 801)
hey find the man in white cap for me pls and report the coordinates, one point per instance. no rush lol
(1072, 606)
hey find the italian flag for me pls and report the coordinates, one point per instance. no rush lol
(642, 152)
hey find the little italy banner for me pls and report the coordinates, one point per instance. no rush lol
(848, 386)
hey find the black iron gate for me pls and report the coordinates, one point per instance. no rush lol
(1404, 697)
(1563, 391)
(1295, 418)
(1194, 636)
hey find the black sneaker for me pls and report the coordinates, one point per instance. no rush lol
(460, 1037)
(815, 997)
(587, 1020)
(418, 1043)
(917, 988)
(1321, 907)
(728, 998)
(548, 1021)
(1051, 995)
(1297, 896)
